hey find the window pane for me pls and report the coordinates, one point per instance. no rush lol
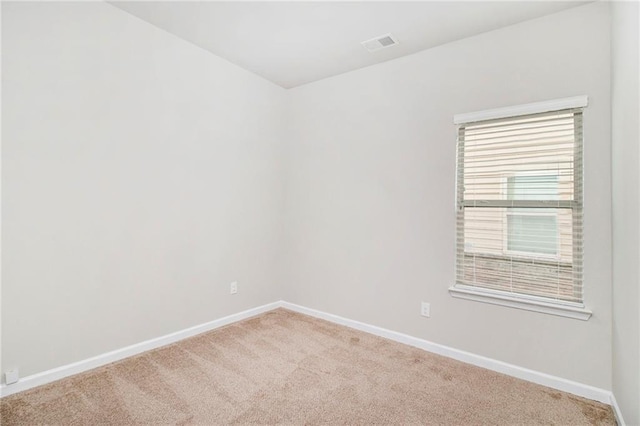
(531, 233)
(533, 230)
(485, 261)
(543, 187)
(542, 145)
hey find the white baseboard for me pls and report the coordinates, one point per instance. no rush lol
(544, 379)
(54, 374)
(616, 411)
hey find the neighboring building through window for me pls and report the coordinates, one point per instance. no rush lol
(519, 201)
(532, 231)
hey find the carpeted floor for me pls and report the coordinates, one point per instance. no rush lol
(283, 367)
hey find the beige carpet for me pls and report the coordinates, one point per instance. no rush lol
(283, 367)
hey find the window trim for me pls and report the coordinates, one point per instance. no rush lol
(526, 302)
(561, 308)
(514, 111)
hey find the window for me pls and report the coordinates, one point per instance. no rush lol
(519, 207)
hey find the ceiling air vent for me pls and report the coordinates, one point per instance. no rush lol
(380, 42)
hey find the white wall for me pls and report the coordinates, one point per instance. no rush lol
(370, 196)
(625, 97)
(141, 175)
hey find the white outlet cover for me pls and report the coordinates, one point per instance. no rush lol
(11, 376)
(425, 309)
(234, 287)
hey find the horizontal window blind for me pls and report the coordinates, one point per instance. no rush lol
(519, 197)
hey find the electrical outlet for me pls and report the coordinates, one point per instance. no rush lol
(11, 376)
(425, 310)
(234, 287)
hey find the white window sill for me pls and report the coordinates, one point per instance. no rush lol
(563, 309)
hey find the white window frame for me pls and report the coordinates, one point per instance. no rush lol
(526, 302)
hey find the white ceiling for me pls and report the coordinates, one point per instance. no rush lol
(293, 43)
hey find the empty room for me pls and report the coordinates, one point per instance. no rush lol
(320, 212)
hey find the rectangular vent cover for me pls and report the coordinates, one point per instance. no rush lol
(380, 42)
